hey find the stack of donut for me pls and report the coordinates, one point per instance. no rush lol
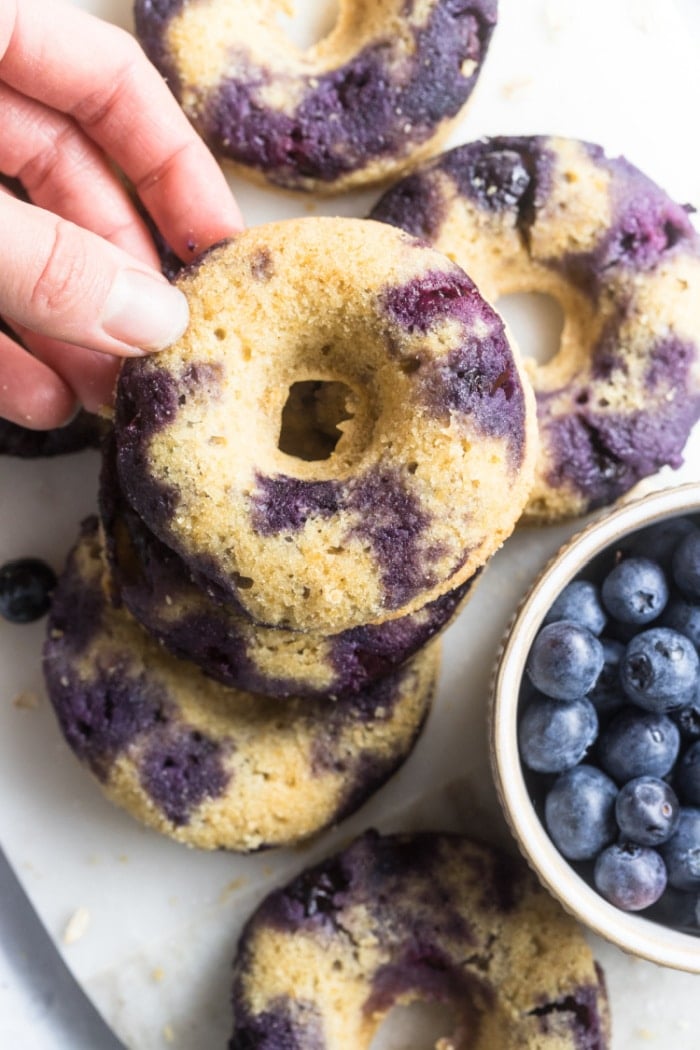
(295, 500)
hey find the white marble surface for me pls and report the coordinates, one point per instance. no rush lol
(156, 924)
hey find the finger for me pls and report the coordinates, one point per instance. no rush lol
(92, 376)
(67, 283)
(30, 393)
(63, 171)
(99, 75)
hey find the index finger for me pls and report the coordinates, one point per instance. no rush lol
(98, 74)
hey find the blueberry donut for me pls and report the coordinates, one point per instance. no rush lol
(341, 436)
(83, 432)
(213, 767)
(430, 917)
(554, 215)
(158, 590)
(382, 90)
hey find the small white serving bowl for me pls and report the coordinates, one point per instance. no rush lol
(631, 932)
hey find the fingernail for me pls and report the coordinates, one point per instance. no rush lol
(145, 312)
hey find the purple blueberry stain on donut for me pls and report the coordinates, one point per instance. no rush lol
(102, 716)
(284, 1025)
(180, 768)
(370, 107)
(365, 653)
(416, 204)
(605, 452)
(391, 519)
(431, 974)
(281, 503)
(433, 297)
(76, 609)
(477, 379)
(578, 1014)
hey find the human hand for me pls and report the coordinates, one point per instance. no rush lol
(80, 284)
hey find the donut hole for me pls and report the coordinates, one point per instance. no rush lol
(536, 320)
(307, 25)
(420, 1025)
(311, 418)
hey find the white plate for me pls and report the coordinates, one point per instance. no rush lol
(159, 922)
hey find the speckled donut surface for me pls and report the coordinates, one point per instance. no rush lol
(158, 590)
(381, 90)
(431, 917)
(554, 215)
(407, 365)
(213, 767)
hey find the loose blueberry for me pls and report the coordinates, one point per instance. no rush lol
(26, 586)
(638, 743)
(688, 776)
(660, 669)
(579, 812)
(631, 877)
(686, 565)
(683, 616)
(579, 602)
(678, 908)
(688, 721)
(635, 591)
(606, 695)
(555, 735)
(565, 660)
(647, 811)
(682, 851)
(662, 539)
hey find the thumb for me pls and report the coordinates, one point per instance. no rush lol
(67, 283)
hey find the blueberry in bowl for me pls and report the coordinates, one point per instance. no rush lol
(595, 727)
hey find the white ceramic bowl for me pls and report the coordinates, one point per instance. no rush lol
(629, 931)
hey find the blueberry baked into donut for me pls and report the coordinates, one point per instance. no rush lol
(376, 94)
(157, 588)
(341, 436)
(555, 215)
(212, 767)
(431, 917)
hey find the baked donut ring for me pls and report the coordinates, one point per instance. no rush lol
(158, 590)
(212, 767)
(408, 366)
(431, 917)
(554, 215)
(382, 90)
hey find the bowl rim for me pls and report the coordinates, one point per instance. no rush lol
(629, 931)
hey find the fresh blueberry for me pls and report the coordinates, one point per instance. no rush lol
(579, 812)
(565, 660)
(683, 616)
(660, 669)
(26, 586)
(606, 695)
(688, 721)
(555, 735)
(678, 908)
(635, 591)
(631, 877)
(688, 776)
(682, 851)
(646, 811)
(662, 539)
(638, 743)
(686, 565)
(579, 602)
